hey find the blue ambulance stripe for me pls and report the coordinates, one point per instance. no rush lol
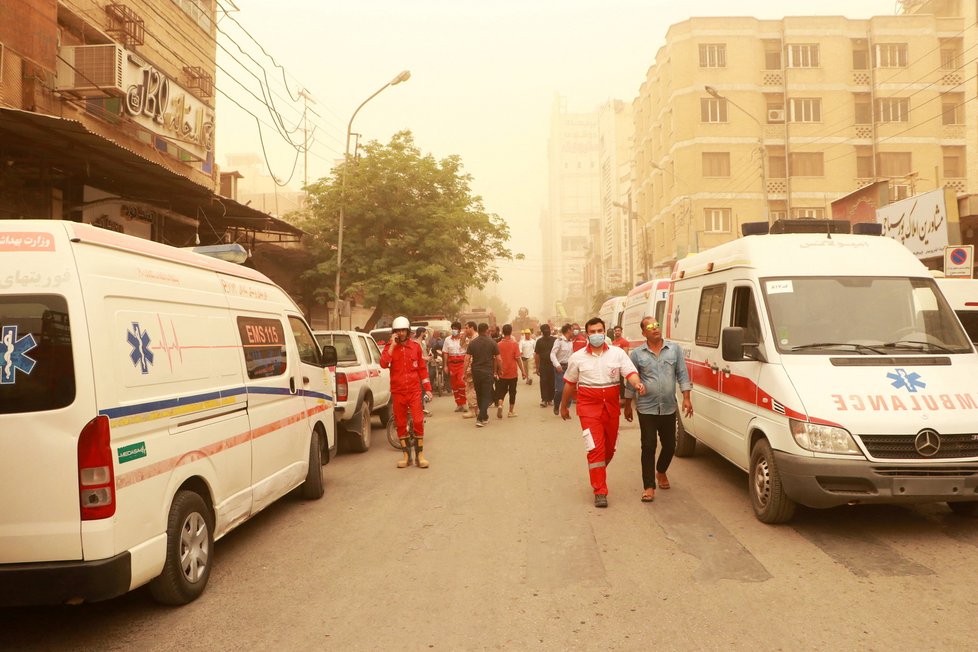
(152, 406)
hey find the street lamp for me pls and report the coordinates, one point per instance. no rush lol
(402, 77)
(714, 93)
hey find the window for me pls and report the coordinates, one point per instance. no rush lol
(713, 55)
(951, 54)
(864, 162)
(263, 345)
(894, 164)
(863, 109)
(305, 342)
(953, 162)
(952, 109)
(743, 313)
(808, 213)
(713, 109)
(198, 11)
(772, 55)
(716, 164)
(891, 55)
(803, 56)
(806, 109)
(710, 313)
(892, 109)
(717, 220)
(36, 369)
(343, 345)
(807, 164)
(860, 54)
(777, 167)
(899, 191)
(374, 351)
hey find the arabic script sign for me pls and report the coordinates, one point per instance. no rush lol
(919, 222)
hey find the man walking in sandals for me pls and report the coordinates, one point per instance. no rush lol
(660, 366)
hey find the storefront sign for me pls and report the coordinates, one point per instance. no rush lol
(919, 222)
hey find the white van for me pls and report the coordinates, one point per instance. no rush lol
(831, 369)
(151, 399)
(610, 312)
(962, 295)
(647, 299)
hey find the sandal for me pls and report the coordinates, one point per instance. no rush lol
(662, 480)
(648, 495)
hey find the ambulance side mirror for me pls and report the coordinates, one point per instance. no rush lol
(734, 349)
(329, 355)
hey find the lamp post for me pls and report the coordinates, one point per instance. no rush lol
(714, 93)
(402, 77)
(631, 242)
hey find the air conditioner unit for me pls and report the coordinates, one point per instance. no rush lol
(775, 115)
(91, 70)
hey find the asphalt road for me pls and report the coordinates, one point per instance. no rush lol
(498, 546)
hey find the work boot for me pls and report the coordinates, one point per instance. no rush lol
(403, 464)
(419, 453)
(473, 413)
(460, 408)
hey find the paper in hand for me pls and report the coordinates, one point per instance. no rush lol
(588, 440)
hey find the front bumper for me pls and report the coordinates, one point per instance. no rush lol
(819, 482)
(60, 582)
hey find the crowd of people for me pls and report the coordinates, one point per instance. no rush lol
(596, 370)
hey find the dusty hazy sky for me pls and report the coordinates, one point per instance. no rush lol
(484, 74)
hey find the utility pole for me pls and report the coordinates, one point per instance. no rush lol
(306, 99)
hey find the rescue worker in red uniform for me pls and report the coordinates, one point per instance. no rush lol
(453, 353)
(409, 372)
(592, 375)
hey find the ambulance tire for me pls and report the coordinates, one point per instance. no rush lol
(313, 487)
(359, 440)
(767, 496)
(685, 442)
(386, 414)
(190, 533)
(968, 508)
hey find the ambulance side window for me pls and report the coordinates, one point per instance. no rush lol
(305, 342)
(263, 345)
(743, 313)
(709, 316)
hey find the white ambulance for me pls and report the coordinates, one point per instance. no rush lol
(831, 369)
(645, 300)
(610, 312)
(151, 399)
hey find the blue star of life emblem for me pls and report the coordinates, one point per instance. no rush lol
(139, 341)
(911, 381)
(13, 354)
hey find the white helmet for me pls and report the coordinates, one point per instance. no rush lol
(399, 323)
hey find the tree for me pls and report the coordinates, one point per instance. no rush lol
(415, 238)
(600, 298)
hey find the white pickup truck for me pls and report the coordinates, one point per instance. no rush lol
(363, 388)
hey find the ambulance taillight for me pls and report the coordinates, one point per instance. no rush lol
(342, 387)
(96, 479)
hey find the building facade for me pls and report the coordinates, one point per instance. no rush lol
(742, 120)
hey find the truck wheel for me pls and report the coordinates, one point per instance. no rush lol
(968, 508)
(189, 551)
(360, 439)
(685, 442)
(313, 487)
(385, 414)
(767, 496)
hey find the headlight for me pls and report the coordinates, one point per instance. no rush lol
(823, 439)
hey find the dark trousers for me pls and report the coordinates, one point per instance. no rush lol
(506, 386)
(482, 380)
(663, 427)
(546, 383)
(558, 384)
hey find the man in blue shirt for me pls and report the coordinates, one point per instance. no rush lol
(660, 366)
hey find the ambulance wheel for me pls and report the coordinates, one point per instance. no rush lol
(385, 414)
(189, 551)
(969, 508)
(360, 438)
(313, 487)
(685, 442)
(767, 496)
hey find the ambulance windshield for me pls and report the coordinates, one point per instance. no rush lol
(861, 316)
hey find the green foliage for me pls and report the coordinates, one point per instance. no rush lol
(415, 238)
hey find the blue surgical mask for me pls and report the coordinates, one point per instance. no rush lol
(454, 332)
(596, 340)
(575, 332)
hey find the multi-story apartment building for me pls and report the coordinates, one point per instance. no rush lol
(616, 264)
(741, 120)
(107, 116)
(572, 223)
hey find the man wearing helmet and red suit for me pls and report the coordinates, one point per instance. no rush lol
(409, 372)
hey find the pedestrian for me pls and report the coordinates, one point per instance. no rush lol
(471, 332)
(453, 359)
(421, 338)
(620, 341)
(543, 365)
(510, 361)
(579, 338)
(592, 374)
(559, 356)
(482, 357)
(527, 345)
(409, 382)
(661, 366)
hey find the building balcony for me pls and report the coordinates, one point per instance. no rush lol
(861, 78)
(958, 185)
(951, 132)
(773, 78)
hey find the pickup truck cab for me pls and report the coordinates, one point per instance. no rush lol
(363, 388)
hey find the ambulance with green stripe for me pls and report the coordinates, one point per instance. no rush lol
(151, 400)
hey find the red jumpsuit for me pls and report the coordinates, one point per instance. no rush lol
(408, 372)
(596, 377)
(454, 353)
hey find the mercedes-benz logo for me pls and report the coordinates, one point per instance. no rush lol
(927, 442)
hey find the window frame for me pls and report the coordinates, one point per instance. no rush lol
(708, 332)
(711, 105)
(713, 55)
(805, 109)
(803, 55)
(710, 215)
